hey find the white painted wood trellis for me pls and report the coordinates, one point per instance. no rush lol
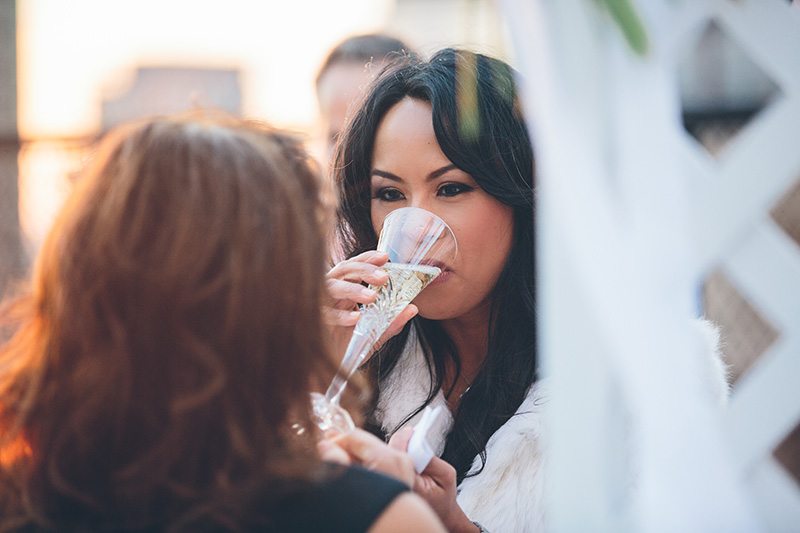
(631, 218)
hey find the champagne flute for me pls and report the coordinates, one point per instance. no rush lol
(419, 245)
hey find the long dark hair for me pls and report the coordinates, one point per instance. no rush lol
(170, 336)
(479, 126)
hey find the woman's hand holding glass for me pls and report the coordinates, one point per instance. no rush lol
(346, 291)
(346, 294)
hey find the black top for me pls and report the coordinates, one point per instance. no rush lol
(348, 500)
(342, 499)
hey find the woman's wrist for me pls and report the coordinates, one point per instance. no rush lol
(460, 523)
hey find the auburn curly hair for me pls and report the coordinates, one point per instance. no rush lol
(152, 373)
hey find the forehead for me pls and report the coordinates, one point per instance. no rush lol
(405, 142)
(408, 122)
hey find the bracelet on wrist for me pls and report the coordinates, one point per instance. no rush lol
(481, 529)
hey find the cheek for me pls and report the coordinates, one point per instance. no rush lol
(496, 245)
(377, 213)
(484, 247)
(486, 238)
(486, 244)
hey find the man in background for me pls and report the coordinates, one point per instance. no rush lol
(346, 71)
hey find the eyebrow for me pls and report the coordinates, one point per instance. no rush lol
(439, 172)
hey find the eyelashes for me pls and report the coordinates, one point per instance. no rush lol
(387, 194)
(446, 190)
(451, 189)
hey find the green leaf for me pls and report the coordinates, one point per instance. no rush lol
(626, 17)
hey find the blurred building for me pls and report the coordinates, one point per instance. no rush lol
(163, 90)
(50, 164)
(11, 255)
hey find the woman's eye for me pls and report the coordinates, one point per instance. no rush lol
(388, 194)
(453, 189)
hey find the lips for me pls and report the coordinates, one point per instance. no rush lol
(441, 278)
(437, 264)
(445, 274)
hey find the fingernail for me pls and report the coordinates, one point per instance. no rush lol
(369, 293)
(355, 314)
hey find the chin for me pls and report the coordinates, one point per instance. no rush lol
(435, 310)
(433, 316)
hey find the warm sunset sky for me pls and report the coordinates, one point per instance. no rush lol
(72, 53)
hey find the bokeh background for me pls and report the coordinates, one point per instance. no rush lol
(84, 66)
(70, 70)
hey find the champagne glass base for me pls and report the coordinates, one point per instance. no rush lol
(330, 416)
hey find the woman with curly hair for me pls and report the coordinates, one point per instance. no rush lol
(172, 332)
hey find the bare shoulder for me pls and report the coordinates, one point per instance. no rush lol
(408, 512)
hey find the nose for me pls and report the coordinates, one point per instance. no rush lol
(429, 206)
(423, 203)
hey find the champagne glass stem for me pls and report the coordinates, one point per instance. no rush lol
(360, 345)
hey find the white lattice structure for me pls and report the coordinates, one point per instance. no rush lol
(632, 216)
